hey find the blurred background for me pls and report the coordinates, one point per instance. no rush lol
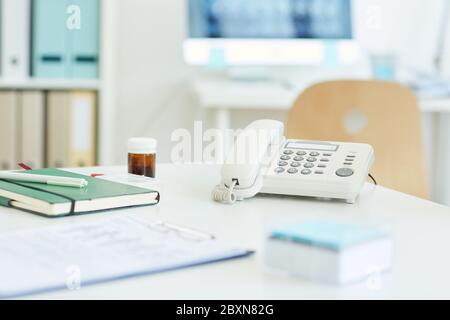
(94, 73)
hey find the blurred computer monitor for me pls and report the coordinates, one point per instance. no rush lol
(270, 32)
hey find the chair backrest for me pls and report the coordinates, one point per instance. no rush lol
(383, 114)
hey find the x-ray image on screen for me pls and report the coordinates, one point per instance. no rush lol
(270, 19)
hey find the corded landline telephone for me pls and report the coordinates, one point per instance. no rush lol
(263, 161)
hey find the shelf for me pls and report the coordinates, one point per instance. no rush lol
(50, 84)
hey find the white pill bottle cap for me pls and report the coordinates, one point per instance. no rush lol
(142, 145)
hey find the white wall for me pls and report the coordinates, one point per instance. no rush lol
(152, 81)
(153, 96)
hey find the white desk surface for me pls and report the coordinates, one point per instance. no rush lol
(421, 231)
(267, 95)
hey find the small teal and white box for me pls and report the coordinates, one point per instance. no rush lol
(329, 252)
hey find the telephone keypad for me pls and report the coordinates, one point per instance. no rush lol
(306, 159)
(319, 169)
(279, 170)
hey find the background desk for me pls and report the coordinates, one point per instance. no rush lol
(420, 230)
(222, 96)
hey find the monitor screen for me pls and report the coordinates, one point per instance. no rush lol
(270, 19)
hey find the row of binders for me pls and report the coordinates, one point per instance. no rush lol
(50, 39)
(47, 129)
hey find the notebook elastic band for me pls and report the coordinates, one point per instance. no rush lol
(72, 201)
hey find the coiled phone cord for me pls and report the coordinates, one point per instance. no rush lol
(224, 194)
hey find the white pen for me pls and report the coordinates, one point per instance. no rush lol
(50, 180)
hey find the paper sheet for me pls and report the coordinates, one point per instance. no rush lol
(74, 255)
(134, 180)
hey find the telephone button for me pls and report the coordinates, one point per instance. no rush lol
(285, 158)
(279, 170)
(293, 171)
(288, 152)
(306, 171)
(348, 163)
(298, 159)
(295, 164)
(327, 154)
(345, 172)
(314, 154)
(311, 159)
(309, 165)
(301, 153)
(283, 163)
(321, 166)
(318, 172)
(324, 160)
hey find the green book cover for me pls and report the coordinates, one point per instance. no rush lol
(4, 202)
(96, 189)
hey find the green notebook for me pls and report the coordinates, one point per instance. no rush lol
(57, 201)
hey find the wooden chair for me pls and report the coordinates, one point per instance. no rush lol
(383, 114)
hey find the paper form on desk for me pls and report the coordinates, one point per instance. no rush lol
(79, 254)
(134, 180)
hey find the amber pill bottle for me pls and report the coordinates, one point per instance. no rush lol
(142, 156)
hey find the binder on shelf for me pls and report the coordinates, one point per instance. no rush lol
(8, 130)
(72, 50)
(83, 109)
(71, 123)
(49, 45)
(31, 129)
(15, 35)
(57, 131)
(83, 56)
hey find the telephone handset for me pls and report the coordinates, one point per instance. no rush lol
(241, 172)
(263, 161)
